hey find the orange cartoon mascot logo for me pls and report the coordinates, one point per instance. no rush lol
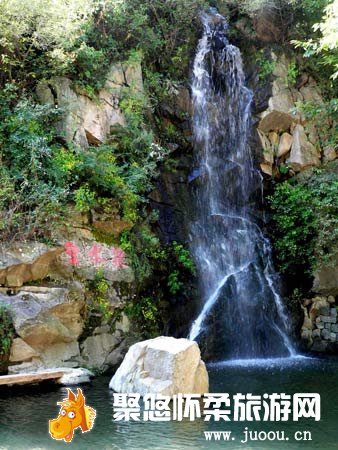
(73, 413)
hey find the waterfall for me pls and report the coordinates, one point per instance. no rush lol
(242, 315)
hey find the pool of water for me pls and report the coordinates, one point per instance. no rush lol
(24, 415)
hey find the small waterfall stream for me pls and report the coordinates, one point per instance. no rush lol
(242, 315)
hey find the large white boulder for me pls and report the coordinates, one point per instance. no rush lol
(163, 365)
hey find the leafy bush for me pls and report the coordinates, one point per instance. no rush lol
(30, 193)
(146, 314)
(326, 45)
(266, 66)
(163, 30)
(123, 170)
(99, 302)
(7, 331)
(163, 273)
(35, 36)
(305, 220)
(294, 227)
(292, 74)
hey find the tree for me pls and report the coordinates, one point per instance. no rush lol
(29, 28)
(326, 46)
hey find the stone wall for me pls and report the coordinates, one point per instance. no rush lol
(320, 327)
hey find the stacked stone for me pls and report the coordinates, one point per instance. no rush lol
(325, 328)
(319, 332)
(326, 324)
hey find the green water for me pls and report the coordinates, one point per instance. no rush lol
(24, 415)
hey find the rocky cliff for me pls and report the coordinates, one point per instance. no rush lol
(52, 292)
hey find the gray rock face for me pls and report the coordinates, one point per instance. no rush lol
(316, 334)
(303, 154)
(88, 121)
(324, 310)
(299, 142)
(33, 261)
(96, 349)
(267, 26)
(325, 334)
(47, 316)
(326, 280)
(48, 322)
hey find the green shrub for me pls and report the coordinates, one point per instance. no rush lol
(292, 74)
(145, 313)
(164, 31)
(163, 273)
(294, 227)
(305, 220)
(173, 283)
(98, 301)
(266, 66)
(7, 331)
(31, 194)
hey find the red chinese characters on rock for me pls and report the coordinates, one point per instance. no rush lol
(95, 254)
(72, 251)
(117, 256)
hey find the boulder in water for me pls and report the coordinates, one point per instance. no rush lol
(163, 365)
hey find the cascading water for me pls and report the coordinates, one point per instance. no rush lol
(242, 315)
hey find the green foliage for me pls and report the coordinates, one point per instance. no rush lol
(324, 118)
(89, 68)
(99, 301)
(40, 176)
(293, 227)
(35, 36)
(283, 169)
(7, 331)
(85, 199)
(162, 273)
(145, 312)
(174, 284)
(183, 257)
(123, 170)
(30, 193)
(326, 45)
(150, 259)
(297, 296)
(292, 73)
(265, 65)
(293, 17)
(163, 30)
(305, 221)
